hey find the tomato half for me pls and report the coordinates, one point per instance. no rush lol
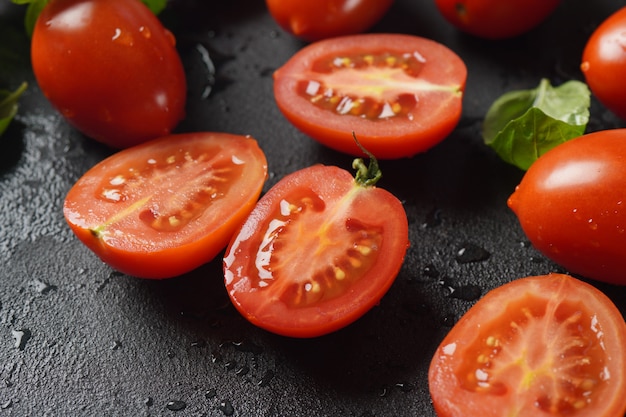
(169, 205)
(110, 68)
(316, 253)
(496, 19)
(604, 62)
(400, 94)
(539, 346)
(315, 20)
(571, 205)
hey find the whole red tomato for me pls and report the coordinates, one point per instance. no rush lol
(572, 206)
(496, 19)
(109, 67)
(319, 19)
(604, 62)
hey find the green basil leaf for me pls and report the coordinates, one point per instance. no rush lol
(8, 106)
(156, 6)
(523, 125)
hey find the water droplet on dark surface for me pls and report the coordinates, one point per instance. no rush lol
(433, 219)
(7, 404)
(198, 343)
(466, 292)
(227, 408)
(404, 386)
(176, 405)
(266, 378)
(470, 252)
(211, 393)
(21, 337)
(148, 402)
(242, 371)
(247, 347)
(216, 356)
(230, 365)
(42, 287)
(430, 271)
(116, 345)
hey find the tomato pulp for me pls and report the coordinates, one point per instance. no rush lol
(315, 20)
(316, 253)
(604, 62)
(571, 205)
(496, 19)
(167, 206)
(538, 346)
(400, 94)
(110, 68)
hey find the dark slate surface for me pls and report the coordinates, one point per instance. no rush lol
(79, 339)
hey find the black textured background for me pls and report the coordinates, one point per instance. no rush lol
(79, 339)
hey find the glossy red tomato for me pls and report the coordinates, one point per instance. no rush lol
(496, 19)
(319, 19)
(317, 252)
(110, 68)
(400, 94)
(169, 205)
(572, 206)
(604, 63)
(538, 346)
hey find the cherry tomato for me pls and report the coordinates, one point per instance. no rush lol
(110, 68)
(604, 63)
(538, 346)
(317, 252)
(571, 205)
(167, 206)
(400, 94)
(496, 19)
(315, 20)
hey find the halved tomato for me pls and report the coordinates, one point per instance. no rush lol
(400, 94)
(167, 206)
(538, 346)
(317, 252)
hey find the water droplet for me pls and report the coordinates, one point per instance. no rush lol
(247, 347)
(430, 271)
(176, 405)
(216, 356)
(21, 337)
(266, 378)
(470, 252)
(212, 393)
(7, 404)
(198, 343)
(467, 292)
(42, 287)
(404, 386)
(230, 365)
(433, 219)
(227, 408)
(116, 345)
(148, 402)
(242, 371)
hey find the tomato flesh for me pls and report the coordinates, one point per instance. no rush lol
(316, 253)
(321, 19)
(604, 63)
(538, 346)
(400, 94)
(570, 204)
(167, 206)
(110, 68)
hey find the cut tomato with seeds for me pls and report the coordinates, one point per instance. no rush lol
(167, 206)
(400, 94)
(538, 346)
(318, 251)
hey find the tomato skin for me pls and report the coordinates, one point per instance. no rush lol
(167, 206)
(313, 221)
(537, 346)
(322, 19)
(110, 68)
(435, 87)
(604, 63)
(496, 19)
(570, 203)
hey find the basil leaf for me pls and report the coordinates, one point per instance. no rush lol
(36, 6)
(523, 125)
(156, 6)
(8, 106)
